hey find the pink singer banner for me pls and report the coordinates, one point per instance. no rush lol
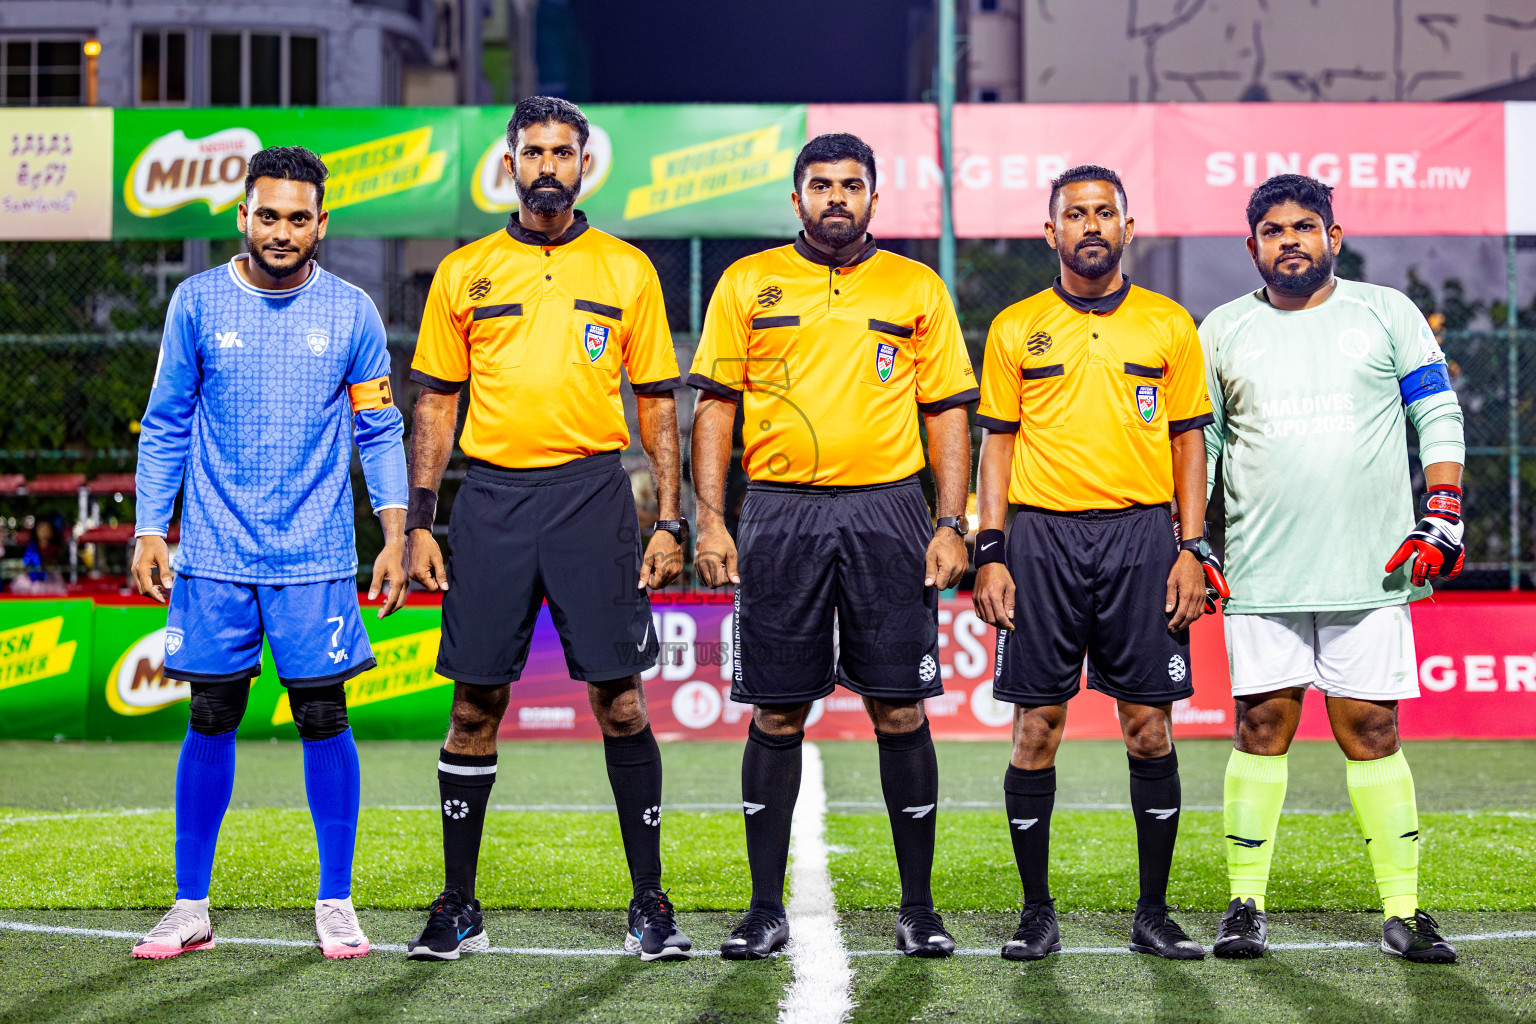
(1477, 671)
(1399, 168)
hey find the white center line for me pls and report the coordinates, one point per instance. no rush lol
(821, 990)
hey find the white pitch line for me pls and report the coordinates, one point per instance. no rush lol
(105, 933)
(821, 986)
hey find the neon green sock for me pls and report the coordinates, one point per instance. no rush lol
(1387, 810)
(1254, 792)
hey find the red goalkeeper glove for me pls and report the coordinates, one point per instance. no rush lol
(1435, 544)
(1215, 581)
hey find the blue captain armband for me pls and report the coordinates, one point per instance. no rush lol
(1429, 379)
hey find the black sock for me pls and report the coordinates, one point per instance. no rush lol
(1029, 795)
(770, 784)
(464, 782)
(1155, 797)
(909, 778)
(634, 772)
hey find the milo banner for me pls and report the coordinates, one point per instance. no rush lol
(131, 699)
(657, 171)
(394, 172)
(45, 650)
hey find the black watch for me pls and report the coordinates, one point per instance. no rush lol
(678, 528)
(957, 523)
(1199, 545)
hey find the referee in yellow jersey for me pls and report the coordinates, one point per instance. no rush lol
(832, 349)
(1093, 399)
(540, 320)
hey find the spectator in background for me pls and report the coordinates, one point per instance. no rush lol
(44, 552)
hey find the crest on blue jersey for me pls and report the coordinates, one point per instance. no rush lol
(1146, 401)
(595, 340)
(885, 361)
(318, 340)
(173, 640)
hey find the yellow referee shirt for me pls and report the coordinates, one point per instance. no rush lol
(541, 328)
(832, 363)
(1094, 389)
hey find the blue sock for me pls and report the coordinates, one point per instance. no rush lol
(205, 776)
(332, 781)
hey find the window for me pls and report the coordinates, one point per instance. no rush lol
(41, 72)
(162, 67)
(986, 6)
(263, 69)
(988, 95)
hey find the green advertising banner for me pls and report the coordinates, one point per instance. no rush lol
(437, 172)
(131, 699)
(45, 654)
(665, 171)
(180, 173)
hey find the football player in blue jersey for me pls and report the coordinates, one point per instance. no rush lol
(269, 369)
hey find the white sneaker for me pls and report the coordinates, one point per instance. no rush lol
(184, 927)
(340, 935)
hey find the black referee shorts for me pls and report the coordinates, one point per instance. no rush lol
(805, 552)
(566, 534)
(1091, 584)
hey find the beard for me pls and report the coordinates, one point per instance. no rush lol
(1304, 282)
(835, 234)
(547, 196)
(1093, 258)
(306, 253)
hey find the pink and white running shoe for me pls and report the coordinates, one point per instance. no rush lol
(184, 927)
(340, 935)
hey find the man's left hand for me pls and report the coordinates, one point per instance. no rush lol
(947, 559)
(1437, 543)
(1186, 591)
(663, 561)
(390, 578)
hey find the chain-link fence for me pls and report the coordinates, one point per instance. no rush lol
(79, 336)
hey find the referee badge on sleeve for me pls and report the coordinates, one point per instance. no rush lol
(595, 340)
(1146, 401)
(885, 361)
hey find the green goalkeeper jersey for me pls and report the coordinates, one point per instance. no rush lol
(1309, 418)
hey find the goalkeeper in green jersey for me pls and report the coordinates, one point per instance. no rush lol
(1310, 380)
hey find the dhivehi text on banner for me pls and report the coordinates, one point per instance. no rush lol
(394, 171)
(657, 171)
(54, 182)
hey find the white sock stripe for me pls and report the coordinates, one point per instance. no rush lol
(821, 989)
(465, 769)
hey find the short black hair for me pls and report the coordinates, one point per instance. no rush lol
(547, 110)
(829, 149)
(1085, 172)
(1307, 193)
(287, 163)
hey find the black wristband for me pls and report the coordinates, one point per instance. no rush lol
(989, 547)
(421, 509)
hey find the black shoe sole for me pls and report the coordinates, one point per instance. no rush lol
(1243, 949)
(1020, 957)
(1432, 956)
(1172, 954)
(927, 952)
(739, 953)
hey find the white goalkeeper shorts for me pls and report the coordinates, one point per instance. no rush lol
(1367, 654)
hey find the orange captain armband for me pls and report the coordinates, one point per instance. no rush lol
(370, 394)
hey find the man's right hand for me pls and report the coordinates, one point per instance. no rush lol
(149, 554)
(424, 560)
(993, 595)
(715, 556)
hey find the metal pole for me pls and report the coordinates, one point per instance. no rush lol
(695, 286)
(946, 92)
(1512, 321)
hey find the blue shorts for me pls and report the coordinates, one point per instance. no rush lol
(315, 631)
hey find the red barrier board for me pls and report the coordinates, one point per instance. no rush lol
(1188, 168)
(1477, 669)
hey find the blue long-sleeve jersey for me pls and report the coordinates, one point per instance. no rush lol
(250, 411)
